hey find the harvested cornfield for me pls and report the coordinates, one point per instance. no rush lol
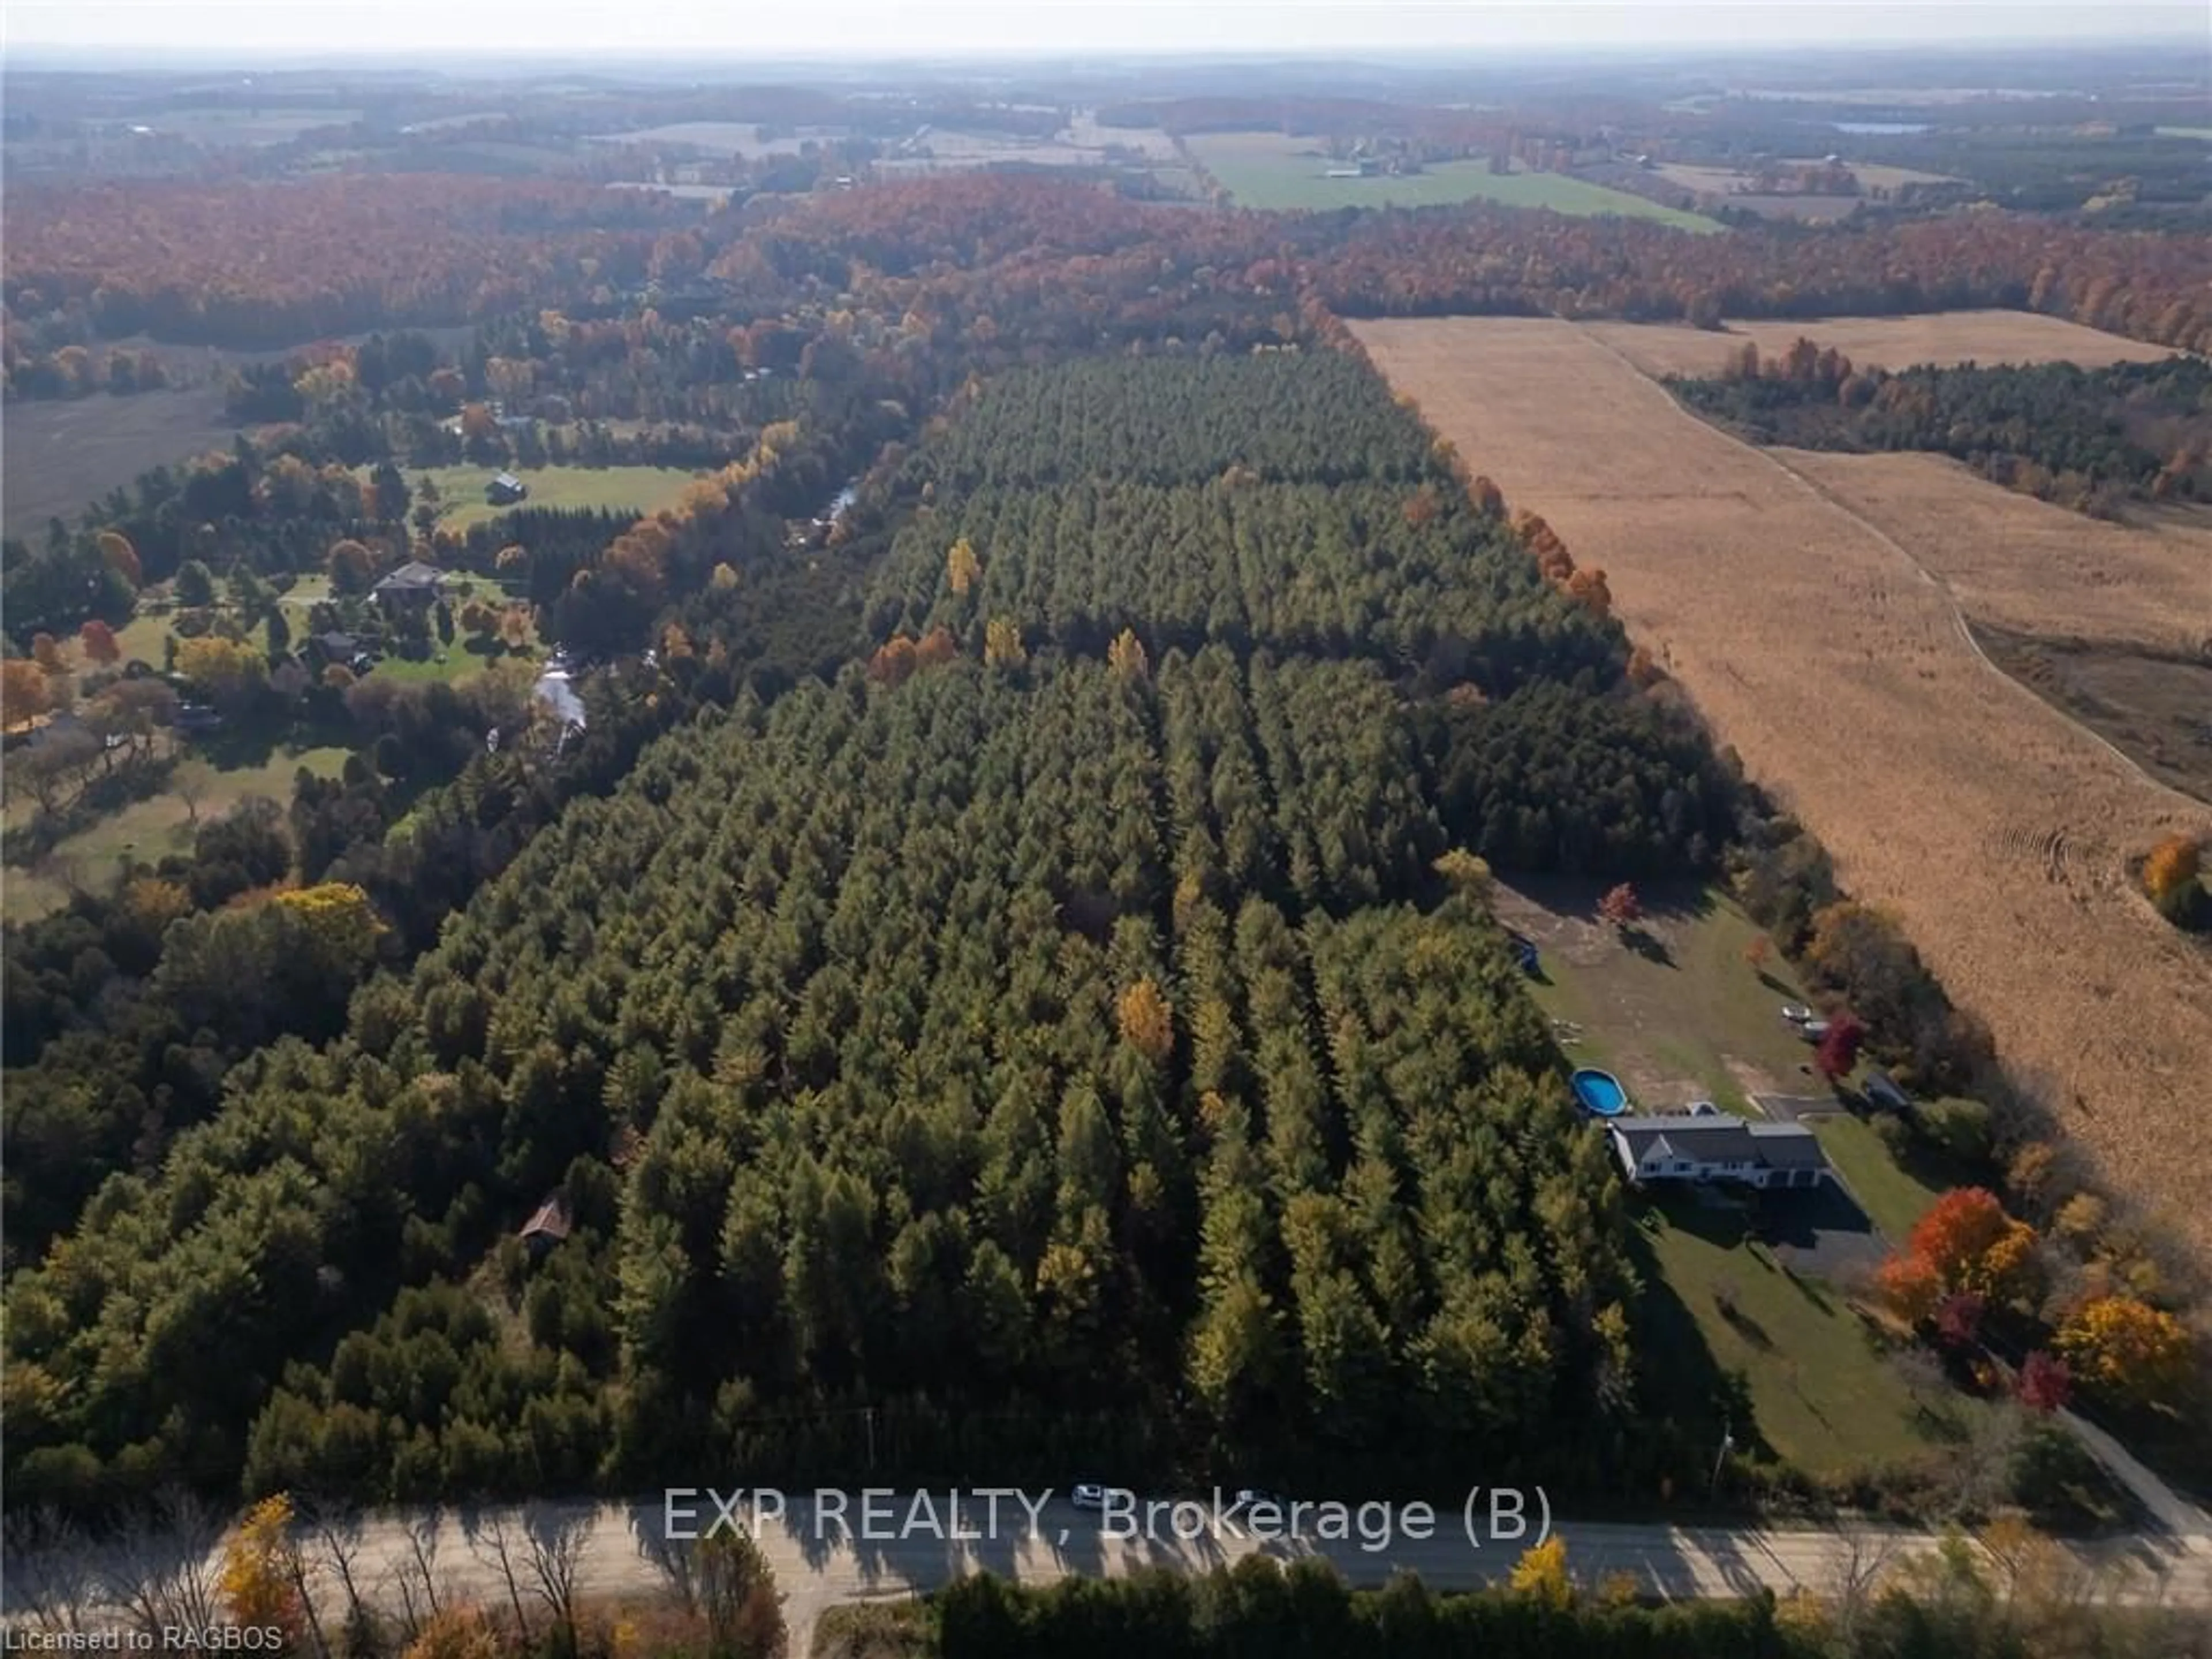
(1894, 343)
(2027, 565)
(1836, 662)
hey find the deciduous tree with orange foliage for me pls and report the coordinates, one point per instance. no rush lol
(1621, 907)
(893, 661)
(2172, 877)
(24, 693)
(1146, 1024)
(122, 558)
(935, 647)
(1966, 1244)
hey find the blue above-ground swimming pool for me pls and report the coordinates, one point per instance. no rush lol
(1600, 1092)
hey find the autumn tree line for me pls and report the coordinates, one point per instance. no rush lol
(110, 259)
(243, 263)
(2089, 439)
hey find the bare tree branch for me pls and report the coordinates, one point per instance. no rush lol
(49, 1569)
(162, 1567)
(492, 1542)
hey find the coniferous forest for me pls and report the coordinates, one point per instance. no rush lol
(1064, 1033)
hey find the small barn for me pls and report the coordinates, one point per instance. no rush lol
(506, 490)
(548, 1225)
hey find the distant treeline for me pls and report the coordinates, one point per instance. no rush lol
(2086, 438)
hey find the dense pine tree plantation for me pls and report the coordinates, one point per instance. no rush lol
(1051, 1041)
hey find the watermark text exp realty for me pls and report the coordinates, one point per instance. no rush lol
(1507, 1515)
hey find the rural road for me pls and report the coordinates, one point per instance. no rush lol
(821, 1561)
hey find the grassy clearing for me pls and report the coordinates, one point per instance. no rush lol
(1678, 1014)
(462, 661)
(1825, 1396)
(150, 830)
(2204, 134)
(1893, 1196)
(637, 489)
(1269, 170)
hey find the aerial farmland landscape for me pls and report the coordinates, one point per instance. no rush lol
(885, 835)
(1838, 660)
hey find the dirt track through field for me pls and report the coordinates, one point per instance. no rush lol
(1831, 655)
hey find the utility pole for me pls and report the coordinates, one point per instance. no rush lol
(1727, 1445)
(868, 1416)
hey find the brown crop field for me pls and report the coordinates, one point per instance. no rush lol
(63, 455)
(1892, 342)
(2026, 565)
(1837, 665)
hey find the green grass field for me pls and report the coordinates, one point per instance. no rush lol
(1269, 170)
(1685, 1017)
(141, 637)
(1893, 1197)
(150, 830)
(2203, 133)
(1825, 1396)
(637, 489)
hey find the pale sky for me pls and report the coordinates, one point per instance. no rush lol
(722, 28)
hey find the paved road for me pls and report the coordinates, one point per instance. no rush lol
(908, 1542)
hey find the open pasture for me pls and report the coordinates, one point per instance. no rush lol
(1841, 669)
(1272, 170)
(151, 829)
(635, 490)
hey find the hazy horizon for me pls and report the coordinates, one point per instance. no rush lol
(872, 29)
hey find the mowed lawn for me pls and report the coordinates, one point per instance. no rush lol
(635, 490)
(1825, 1394)
(1893, 1197)
(1676, 1011)
(150, 830)
(1679, 1013)
(141, 636)
(1270, 170)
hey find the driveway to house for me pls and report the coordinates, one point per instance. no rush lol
(1793, 1108)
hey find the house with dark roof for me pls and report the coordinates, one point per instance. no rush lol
(505, 489)
(413, 584)
(1716, 1147)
